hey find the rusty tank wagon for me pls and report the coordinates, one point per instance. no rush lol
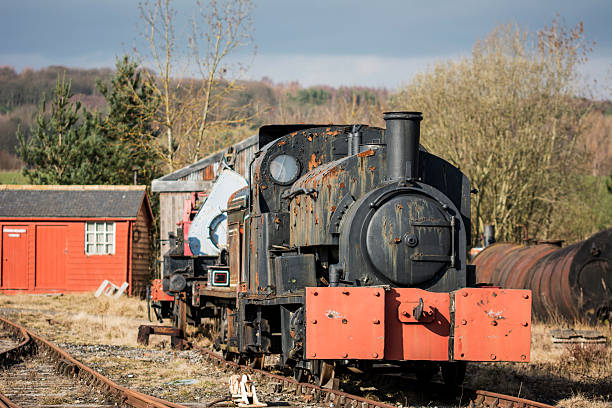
(574, 282)
(347, 246)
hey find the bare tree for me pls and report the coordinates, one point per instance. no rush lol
(192, 77)
(507, 116)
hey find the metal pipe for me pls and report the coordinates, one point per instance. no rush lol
(402, 138)
(489, 235)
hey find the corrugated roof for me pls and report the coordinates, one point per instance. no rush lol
(71, 201)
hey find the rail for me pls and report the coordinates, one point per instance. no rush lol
(478, 398)
(66, 364)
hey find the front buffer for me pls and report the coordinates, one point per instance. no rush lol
(377, 323)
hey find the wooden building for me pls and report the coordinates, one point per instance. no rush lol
(176, 187)
(71, 238)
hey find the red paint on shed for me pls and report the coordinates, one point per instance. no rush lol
(49, 253)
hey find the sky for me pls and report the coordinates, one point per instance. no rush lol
(316, 42)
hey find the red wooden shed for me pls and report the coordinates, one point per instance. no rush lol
(72, 238)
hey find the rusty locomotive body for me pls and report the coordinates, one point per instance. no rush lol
(348, 246)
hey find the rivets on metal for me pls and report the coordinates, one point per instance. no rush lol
(316, 293)
(345, 355)
(465, 294)
(525, 324)
(346, 292)
(314, 322)
(523, 357)
(494, 294)
(525, 296)
(494, 323)
(405, 313)
(377, 294)
(375, 355)
(376, 321)
(464, 322)
(344, 321)
(493, 357)
(313, 355)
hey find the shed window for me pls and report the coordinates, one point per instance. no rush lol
(99, 238)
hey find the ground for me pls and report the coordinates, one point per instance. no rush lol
(94, 328)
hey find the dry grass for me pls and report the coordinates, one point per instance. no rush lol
(79, 318)
(569, 375)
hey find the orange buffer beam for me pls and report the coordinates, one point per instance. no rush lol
(376, 323)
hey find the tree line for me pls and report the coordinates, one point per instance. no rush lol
(509, 116)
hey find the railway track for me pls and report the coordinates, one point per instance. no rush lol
(324, 396)
(41, 374)
(34, 363)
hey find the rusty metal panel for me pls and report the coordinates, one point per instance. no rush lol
(235, 249)
(345, 323)
(15, 257)
(409, 336)
(492, 324)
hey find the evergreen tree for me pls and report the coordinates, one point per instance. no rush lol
(129, 126)
(67, 144)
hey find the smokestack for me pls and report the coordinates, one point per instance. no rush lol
(402, 137)
(489, 235)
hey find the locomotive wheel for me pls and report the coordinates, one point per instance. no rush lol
(300, 374)
(425, 372)
(324, 375)
(453, 374)
(257, 362)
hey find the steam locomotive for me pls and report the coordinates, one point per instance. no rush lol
(346, 245)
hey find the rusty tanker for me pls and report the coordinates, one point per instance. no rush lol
(574, 282)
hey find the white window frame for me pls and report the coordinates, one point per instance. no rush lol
(109, 238)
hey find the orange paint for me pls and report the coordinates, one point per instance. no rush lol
(345, 323)
(492, 324)
(312, 163)
(366, 153)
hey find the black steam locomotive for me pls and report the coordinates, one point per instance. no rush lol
(348, 245)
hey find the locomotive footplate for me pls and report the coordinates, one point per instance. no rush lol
(378, 323)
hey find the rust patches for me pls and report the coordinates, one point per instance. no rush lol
(297, 200)
(366, 153)
(312, 163)
(281, 143)
(341, 185)
(263, 187)
(334, 133)
(372, 168)
(277, 220)
(316, 220)
(333, 208)
(309, 137)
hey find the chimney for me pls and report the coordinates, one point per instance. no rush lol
(402, 138)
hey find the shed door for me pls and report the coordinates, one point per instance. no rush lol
(15, 257)
(51, 253)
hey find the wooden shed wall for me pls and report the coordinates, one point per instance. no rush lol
(170, 212)
(82, 272)
(141, 250)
